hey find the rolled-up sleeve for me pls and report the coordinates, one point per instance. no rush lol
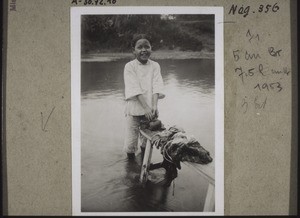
(132, 85)
(158, 84)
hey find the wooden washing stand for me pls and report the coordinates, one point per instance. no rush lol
(207, 171)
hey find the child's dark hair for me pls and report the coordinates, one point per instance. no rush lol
(137, 37)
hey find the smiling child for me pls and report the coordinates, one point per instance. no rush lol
(143, 88)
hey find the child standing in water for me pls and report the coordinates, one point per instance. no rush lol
(143, 88)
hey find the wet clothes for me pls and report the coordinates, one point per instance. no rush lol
(176, 147)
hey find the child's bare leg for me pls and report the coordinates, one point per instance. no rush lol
(131, 135)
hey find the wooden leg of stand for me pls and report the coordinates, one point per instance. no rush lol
(146, 162)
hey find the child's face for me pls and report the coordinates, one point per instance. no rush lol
(142, 50)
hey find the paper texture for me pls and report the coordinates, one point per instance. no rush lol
(258, 105)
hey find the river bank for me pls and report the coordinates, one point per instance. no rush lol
(156, 55)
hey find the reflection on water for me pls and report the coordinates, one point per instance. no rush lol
(111, 183)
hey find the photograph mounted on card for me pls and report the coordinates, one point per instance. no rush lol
(147, 110)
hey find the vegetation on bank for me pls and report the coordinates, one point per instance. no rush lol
(113, 33)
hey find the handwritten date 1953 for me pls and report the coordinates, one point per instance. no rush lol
(269, 86)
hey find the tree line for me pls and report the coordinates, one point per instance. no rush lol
(113, 33)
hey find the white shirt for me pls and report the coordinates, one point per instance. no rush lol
(142, 79)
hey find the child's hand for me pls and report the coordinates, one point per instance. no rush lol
(148, 113)
(154, 106)
(148, 110)
(155, 113)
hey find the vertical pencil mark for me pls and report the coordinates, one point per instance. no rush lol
(45, 125)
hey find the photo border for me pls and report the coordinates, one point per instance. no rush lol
(76, 13)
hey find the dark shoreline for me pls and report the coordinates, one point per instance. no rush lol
(156, 55)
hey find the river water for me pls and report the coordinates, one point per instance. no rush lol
(109, 182)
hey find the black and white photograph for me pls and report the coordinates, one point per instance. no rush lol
(147, 110)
